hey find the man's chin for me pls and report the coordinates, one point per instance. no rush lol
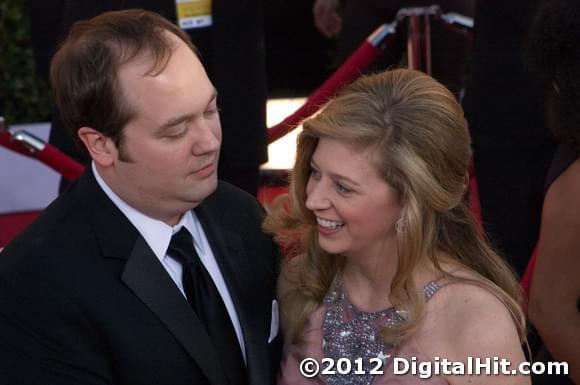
(206, 187)
(213, 184)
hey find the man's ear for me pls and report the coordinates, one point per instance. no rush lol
(101, 148)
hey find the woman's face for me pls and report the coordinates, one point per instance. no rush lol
(355, 208)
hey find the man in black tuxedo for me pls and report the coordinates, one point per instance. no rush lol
(147, 270)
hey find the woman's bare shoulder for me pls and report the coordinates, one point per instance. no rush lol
(467, 320)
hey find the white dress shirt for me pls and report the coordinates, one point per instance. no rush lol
(158, 234)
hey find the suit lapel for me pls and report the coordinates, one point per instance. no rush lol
(230, 255)
(147, 278)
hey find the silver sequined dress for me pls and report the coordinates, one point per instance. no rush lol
(350, 332)
(339, 330)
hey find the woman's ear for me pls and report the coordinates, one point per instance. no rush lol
(101, 148)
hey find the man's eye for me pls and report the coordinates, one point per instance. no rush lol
(176, 135)
(211, 112)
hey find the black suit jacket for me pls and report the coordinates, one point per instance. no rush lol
(83, 299)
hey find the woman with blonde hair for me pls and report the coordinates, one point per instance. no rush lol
(386, 262)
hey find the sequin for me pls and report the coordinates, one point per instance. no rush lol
(352, 333)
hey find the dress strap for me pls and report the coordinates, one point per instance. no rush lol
(430, 289)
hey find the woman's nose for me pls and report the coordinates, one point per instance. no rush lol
(316, 196)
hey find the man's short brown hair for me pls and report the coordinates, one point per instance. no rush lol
(84, 71)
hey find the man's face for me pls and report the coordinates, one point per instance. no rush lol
(173, 141)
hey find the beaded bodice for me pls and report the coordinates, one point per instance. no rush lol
(350, 332)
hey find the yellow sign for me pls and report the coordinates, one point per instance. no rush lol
(193, 13)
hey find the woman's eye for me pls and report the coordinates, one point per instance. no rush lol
(314, 173)
(342, 188)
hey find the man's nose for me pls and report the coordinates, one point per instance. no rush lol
(207, 141)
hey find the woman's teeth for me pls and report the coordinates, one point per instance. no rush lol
(328, 224)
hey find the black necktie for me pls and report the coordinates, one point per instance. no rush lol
(207, 303)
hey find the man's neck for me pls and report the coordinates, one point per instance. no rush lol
(124, 204)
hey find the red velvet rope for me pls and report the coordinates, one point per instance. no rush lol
(347, 72)
(51, 156)
(6, 141)
(69, 168)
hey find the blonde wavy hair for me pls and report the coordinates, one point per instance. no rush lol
(417, 127)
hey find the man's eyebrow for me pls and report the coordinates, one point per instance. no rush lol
(175, 121)
(214, 95)
(184, 118)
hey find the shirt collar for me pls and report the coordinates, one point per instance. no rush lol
(156, 233)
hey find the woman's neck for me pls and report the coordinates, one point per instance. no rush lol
(367, 282)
